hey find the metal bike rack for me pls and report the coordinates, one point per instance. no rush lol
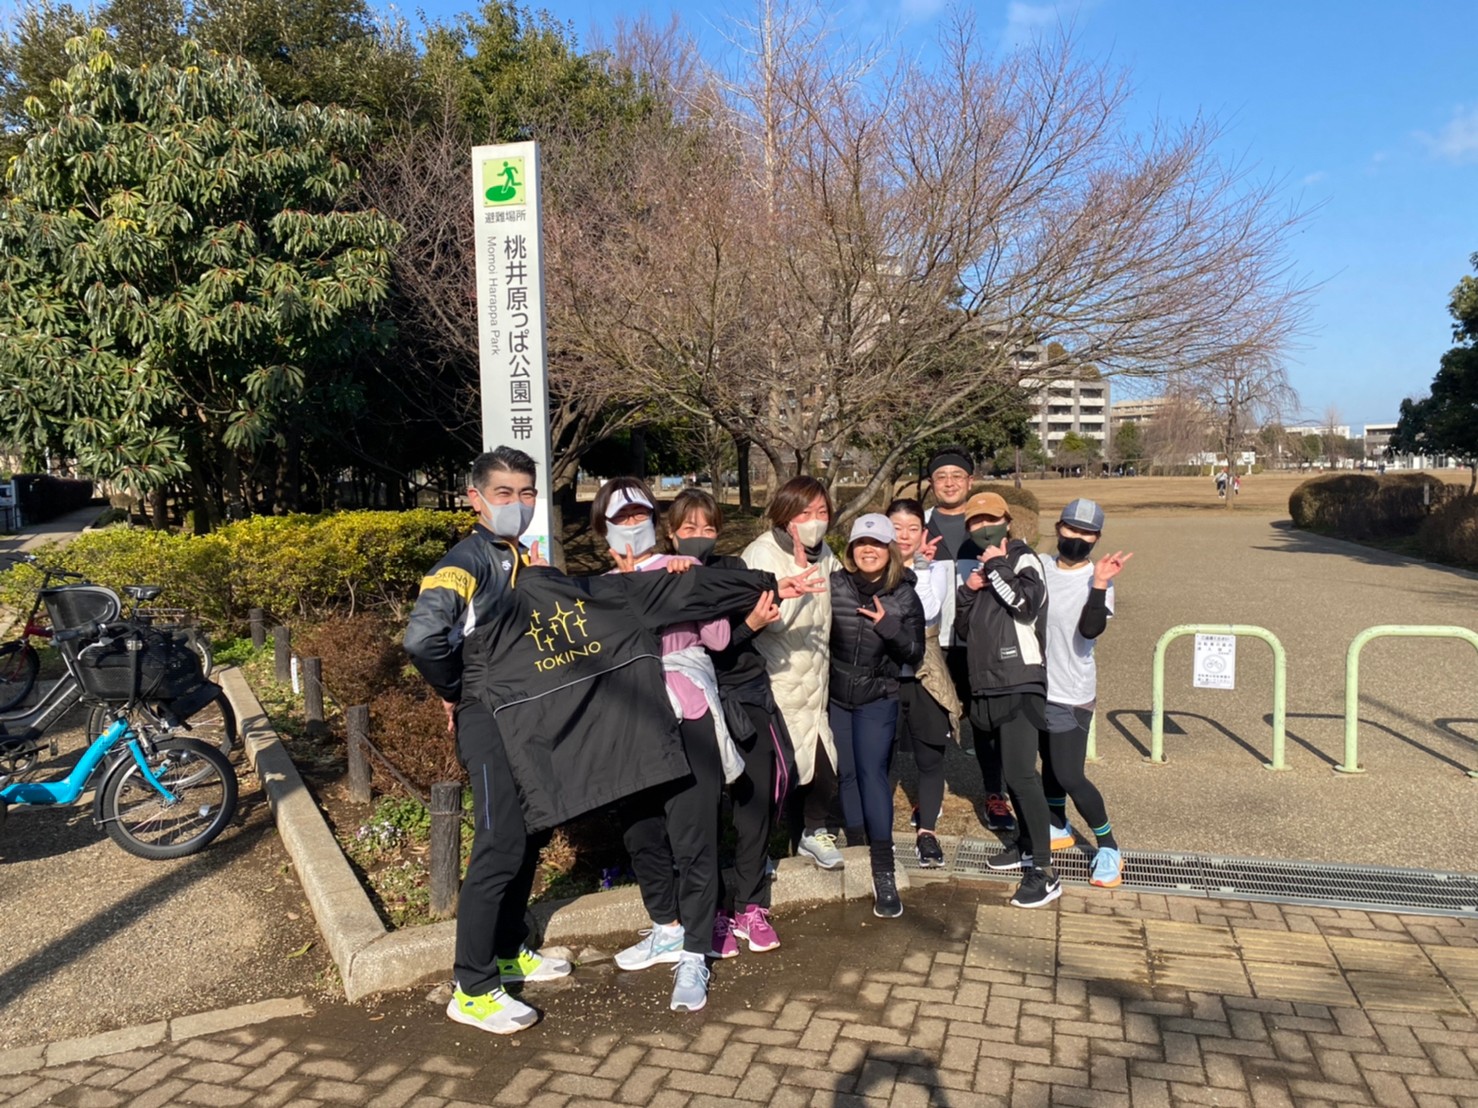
(1280, 683)
(1352, 677)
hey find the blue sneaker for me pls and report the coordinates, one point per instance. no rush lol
(690, 983)
(663, 943)
(1108, 868)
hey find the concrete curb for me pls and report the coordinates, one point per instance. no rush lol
(371, 959)
(67, 1051)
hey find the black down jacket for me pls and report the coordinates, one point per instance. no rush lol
(571, 668)
(866, 657)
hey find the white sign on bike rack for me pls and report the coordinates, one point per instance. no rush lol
(1216, 662)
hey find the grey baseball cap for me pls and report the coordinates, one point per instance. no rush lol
(1083, 514)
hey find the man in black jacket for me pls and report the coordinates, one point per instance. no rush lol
(464, 591)
(1001, 616)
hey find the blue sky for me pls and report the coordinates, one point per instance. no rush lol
(1368, 114)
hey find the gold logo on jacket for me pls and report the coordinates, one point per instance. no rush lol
(561, 636)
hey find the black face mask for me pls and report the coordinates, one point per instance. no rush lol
(990, 535)
(696, 547)
(1074, 550)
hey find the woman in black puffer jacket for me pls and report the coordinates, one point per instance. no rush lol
(877, 626)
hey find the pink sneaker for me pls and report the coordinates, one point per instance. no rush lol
(754, 924)
(724, 943)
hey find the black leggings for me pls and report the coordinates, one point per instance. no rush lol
(1017, 721)
(987, 742)
(671, 833)
(923, 727)
(754, 796)
(1063, 756)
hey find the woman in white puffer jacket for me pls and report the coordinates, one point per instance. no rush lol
(795, 649)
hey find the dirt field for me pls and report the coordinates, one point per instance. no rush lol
(1262, 493)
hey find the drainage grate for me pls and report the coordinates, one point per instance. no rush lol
(1369, 888)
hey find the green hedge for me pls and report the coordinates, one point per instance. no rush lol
(293, 566)
(1362, 506)
(1450, 534)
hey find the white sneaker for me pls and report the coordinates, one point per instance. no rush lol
(495, 1012)
(690, 983)
(821, 847)
(663, 943)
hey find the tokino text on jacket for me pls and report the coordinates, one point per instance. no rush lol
(571, 668)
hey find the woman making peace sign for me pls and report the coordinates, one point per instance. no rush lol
(877, 627)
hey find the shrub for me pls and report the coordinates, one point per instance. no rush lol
(1361, 506)
(1450, 534)
(361, 655)
(293, 566)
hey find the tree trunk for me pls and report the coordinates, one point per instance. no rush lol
(160, 497)
(746, 491)
(639, 453)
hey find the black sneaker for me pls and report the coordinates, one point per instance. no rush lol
(931, 854)
(885, 901)
(998, 815)
(1037, 888)
(1010, 858)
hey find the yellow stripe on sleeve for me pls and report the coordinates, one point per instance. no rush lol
(457, 580)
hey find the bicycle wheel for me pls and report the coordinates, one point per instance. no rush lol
(201, 645)
(145, 824)
(19, 664)
(214, 725)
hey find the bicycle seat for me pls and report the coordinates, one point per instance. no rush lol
(143, 593)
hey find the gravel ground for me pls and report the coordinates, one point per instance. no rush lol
(98, 939)
(1419, 719)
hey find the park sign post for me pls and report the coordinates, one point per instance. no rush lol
(510, 312)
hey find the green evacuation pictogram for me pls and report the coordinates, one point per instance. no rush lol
(503, 182)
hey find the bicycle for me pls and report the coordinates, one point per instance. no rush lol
(214, 721)
(160, 797)
(20, 663)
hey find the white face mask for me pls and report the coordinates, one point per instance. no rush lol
(640, 537)
(508, 521)
(812, 531)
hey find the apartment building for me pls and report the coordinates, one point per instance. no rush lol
(1067, 403)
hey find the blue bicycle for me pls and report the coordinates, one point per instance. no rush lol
(160, 797)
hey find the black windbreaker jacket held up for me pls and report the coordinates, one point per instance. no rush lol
(571, 668)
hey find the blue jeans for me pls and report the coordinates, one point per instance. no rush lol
(865, 737)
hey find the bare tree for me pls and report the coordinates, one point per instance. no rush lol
(851, 264)
(1241, 395)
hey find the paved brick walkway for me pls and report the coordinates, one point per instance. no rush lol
(1116, 998)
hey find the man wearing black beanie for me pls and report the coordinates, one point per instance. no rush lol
(950, 474)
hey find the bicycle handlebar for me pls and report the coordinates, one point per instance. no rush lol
(50, 571)
(94, 629)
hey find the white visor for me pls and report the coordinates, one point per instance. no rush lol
(624, 498)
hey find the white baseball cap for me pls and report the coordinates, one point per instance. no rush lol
(875, 526)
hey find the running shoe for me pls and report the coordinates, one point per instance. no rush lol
(1037, 889)
(1062, 837)
(753, 926)
(913, 819)
(689, 983)
(998, 815)
(1010, 858)
(1108, 868)
(724, 943)
(886, 902)
(530, 965)
(821, 847)
(495, 1012)
(663, 943)
(931, 854)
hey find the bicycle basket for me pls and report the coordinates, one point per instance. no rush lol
(168, 668)
(77, 605)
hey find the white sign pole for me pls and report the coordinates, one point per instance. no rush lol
(510, 312)
(1216, 662)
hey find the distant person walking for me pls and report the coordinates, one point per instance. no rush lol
(1080, 604)
(1221, 484)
